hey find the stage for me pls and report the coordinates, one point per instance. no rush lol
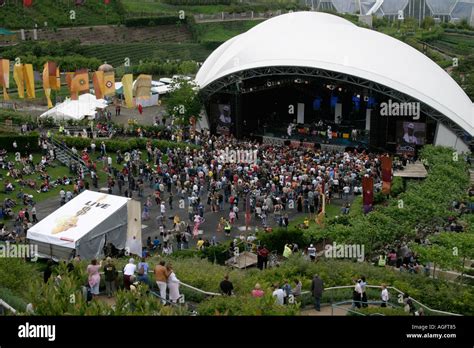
(412, 171)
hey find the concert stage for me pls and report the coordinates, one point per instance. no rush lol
(297, 142)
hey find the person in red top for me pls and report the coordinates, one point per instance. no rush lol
(262, 257)
(140, 108)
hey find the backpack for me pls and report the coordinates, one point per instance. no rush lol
(141, 271)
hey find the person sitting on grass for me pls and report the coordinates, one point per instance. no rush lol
(9, 187)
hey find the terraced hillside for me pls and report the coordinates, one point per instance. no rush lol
(455, 43)
(115, 53)
(116, 34)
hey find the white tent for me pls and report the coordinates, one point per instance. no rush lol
(86, 105)
(86, 224)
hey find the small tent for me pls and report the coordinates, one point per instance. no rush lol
(85, 224)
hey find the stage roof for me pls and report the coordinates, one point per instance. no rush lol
(324, 41)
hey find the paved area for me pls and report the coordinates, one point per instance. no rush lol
(209, 227)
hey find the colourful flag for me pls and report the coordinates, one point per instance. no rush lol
(386, 165)
(368, 190)
(29, 81)
(127, 85)
(55, 80)
(69, 78)
(98, 81)
(80, 82)
(109, 83)
(5, 77)
(142, 88)
(46, 81)
(19, 77)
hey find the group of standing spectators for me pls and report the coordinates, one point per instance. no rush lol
(134, 275)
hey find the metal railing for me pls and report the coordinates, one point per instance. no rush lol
(7, 306)
(390, 288)
(68, 152)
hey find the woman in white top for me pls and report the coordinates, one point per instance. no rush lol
(384, 296)
(173, 285)
(128, 271)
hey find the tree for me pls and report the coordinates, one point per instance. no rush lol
(460, 245)
(183, 102)
(428, 22)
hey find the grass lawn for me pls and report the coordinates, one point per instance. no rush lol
(58, 171)
(55, 172)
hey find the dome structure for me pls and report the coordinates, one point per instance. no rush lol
(106, 67)
(330, 43)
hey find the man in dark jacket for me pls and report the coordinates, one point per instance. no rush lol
(110, 273)
(226, 286)
(317, 287)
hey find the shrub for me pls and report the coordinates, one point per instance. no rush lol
(387, 311)
(245, 305)
(277, 239)
(15, 274)
(123, 144)
(26, 143)
(13, 300)
(17, 118)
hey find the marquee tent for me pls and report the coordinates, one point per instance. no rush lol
(86, 224)
(86, 105)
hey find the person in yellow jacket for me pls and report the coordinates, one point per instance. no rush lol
(287, 251)
(227, 227)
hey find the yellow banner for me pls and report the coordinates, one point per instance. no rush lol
(5, 77)
(19, 77)
(29, 81)
(5, 73)
(98, 81)
(109, 83)
(47, 93)
(142, 88)
(5, 94)
(80, 82)
(127, 85)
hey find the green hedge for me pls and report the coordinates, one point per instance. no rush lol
(245, 305)
(158, 67)
(277, 239)
(26, 143)
(197, 2)
(17, 118)
(122, 145)
(153, 21)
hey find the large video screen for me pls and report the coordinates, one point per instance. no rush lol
(222, 112)
(411, 133)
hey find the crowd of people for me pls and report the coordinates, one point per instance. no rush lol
(268, 190)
